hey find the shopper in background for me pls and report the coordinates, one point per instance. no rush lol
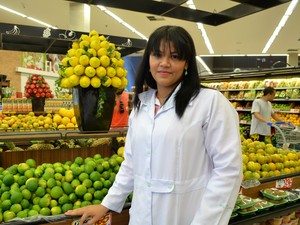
(120, 114)
(262, 112)
(182, 150)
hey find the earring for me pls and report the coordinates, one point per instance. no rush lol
(185, 73)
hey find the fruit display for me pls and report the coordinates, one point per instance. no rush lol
(62, 120)
(92, 61)
(29, 190)
(262, 160)
(37, 87)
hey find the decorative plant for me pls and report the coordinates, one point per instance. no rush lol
(37, 87)
(93, 62)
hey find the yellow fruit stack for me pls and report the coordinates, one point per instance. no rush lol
(93, 61)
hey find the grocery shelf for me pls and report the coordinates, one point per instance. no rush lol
(265, 215)
(56, 135)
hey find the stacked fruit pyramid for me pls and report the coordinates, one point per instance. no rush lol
(30, 190)
(92, 61)
(262, 160)
(37, 87)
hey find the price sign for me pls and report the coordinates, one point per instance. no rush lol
(284, 183)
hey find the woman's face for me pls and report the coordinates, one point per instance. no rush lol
(165, 67)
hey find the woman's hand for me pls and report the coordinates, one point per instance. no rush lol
(95, 212)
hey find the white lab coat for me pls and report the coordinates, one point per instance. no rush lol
(182, 171)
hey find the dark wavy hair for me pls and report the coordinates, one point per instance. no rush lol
(184, 45)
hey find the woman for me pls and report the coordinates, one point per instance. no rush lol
(182, 150)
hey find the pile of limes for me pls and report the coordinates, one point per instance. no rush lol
(28, 189)
(92, 61)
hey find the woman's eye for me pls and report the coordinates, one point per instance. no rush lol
(174, 56)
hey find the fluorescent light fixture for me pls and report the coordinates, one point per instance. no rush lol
(115, 17)
(281, 24)
(27, 17)
(205, 37)
(200, 60)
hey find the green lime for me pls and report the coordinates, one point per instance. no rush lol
(22, 180)
(83, 176)
(26, 194)
(40, 192)
(38, 173)
(97, 156)
(22, 167)
(31, 163)
(104, 191)
(51, 183)
(85, 203)
(5, 195)
(99, 168)
(36, 208)
(25, 203)
(42, 183)
(79, 160)
(116, 169)
(80, 190)
(29, 174)
(53, 203)
(87, 159)
(106, 165)
(32, 212)
(16, 208)
(75, 183)
(107, 184)
(63, 199)
(88, 183)
(47, 175)
(58, 176)
(98, 185)
(36, 200)
(113, 162)
(8, 215)
(22, 214)
(56, 210)
(49, 168)
(72, 197)
(8, 180)
(45, 211)
(16, 197)
(66, 207)
(96, 202)
(69, 176)
(76, 170)
(88, 168)
(13, 169)
(67, 187)
(87, 197)
(105, 175)
(95, 176)
(98, 195)
(56, 192)
(32, 184)
(44, 202)
(6, 204)
(119, 160)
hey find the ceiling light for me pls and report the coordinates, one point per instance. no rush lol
(281, 24)
(27, 17)
(115, 17)
(200, 60)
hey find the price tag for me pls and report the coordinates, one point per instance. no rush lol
(285, 183)
(239, 108)
(295, 110)
(105, 220)
(243, 121)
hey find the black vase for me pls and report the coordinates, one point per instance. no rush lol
(85, 103)
(38, 104)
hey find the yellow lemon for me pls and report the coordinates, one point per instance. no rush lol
(124, 82)
(65, 120)
(61, 127)
(73, 120)
(74, 80)
(85, 37)
(90, 71)
(84, 44)
(114, 61)
(95, 62)
(65, 61)
(79, 69)
(104, 44)
(65, 83)
(101, 71)
(121, 63)
(116, 82)
(101, 51)
(110, 71)
(92, 52)
(106, 81)
(95, 44)
(57, 119)
(71, 52)
(73, 61)
(94, 38)
(120, 72)
(80, 52)
(112, 46)
(117, 55)
(102, 38)
(84, 81)
(75, 45)
(96, 82)
(70, 125)
(69, 113)
(84, 60)
(93, 33)
(69, 71)
(105, 61)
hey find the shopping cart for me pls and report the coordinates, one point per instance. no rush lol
(286, 134)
